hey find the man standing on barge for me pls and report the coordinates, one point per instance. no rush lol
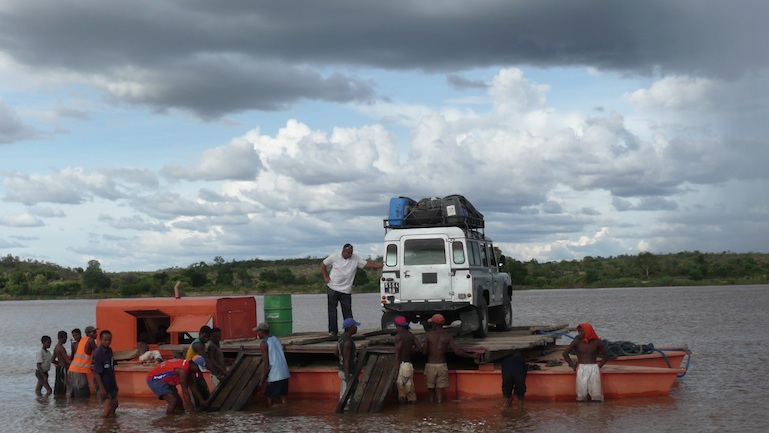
(588, 346)
(339, 281)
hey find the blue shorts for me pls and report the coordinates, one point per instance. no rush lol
(41, 378)
(276, 389)
(161, 388)
(111, 393)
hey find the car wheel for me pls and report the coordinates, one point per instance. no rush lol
(483, 319)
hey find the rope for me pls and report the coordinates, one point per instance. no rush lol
(627, 348)
(553, 333)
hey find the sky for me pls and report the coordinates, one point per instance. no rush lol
(161, 133)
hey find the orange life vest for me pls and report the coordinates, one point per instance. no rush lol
(82, 362)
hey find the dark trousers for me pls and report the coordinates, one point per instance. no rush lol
(202, 386)
(334, 297)
(60, 384)
(514, 372)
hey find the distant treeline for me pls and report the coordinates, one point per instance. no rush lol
(646, 269)
(32, 279)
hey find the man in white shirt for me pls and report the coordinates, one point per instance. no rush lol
(339, 281)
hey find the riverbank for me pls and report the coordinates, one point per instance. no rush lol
(322, 291)
(29, 279)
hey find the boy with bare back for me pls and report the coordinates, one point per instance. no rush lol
(405, 342)
(61, 361)
(588, 346)
(437, 342)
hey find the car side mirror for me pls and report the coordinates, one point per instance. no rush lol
(501, 261)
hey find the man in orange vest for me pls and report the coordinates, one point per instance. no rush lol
(82, 365)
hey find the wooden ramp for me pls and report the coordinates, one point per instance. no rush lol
(368, 394)
(240, 384)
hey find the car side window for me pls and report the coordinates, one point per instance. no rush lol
(458, 252)
(392, 255)
(484, 255)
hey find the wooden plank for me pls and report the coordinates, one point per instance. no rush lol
(387, 385)
(240, 385)
(351, 388)
(246, 385)
(360, 391)
(221, 391)
(371, 375)
(214, 402)
(249, 387)
(234, 386)
(381, 380)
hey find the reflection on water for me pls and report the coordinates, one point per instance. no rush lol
(720, 324)
(318, 416)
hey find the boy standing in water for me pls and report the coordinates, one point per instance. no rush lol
(405, 342)
(61, 360)
(514, 371)
(347, 354)
(104, 382)
(588, 346)
(43, 360)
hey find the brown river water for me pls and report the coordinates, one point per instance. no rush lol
(725, 390)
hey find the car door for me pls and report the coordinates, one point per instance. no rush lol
(425, 269)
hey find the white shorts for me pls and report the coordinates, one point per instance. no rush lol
(405, 382)
(589, 382)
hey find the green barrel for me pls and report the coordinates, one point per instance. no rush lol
(277, 312)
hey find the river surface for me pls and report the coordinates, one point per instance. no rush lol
(725, 390)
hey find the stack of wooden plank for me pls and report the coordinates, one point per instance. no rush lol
(240, 384)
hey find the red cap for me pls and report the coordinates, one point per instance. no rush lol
(401, 321)
(438, 319)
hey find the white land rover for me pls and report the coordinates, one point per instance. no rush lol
(444, 268)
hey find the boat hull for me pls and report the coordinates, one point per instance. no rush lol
(674, 357)
(663, 358)
(556, 383)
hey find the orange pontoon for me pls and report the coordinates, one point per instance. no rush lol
(168, 322)
(180, 318)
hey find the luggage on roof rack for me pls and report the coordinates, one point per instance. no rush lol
(400, 207)
(452, 210)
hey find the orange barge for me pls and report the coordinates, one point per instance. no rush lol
(313, 365)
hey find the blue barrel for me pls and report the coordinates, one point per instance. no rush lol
(397, 213)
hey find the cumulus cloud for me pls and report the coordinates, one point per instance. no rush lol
(235, 161)
(10, 244)
(12, 128)
(68, 186)
(47, 212)
(462, 83)
(135, 222)
(25, 220)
